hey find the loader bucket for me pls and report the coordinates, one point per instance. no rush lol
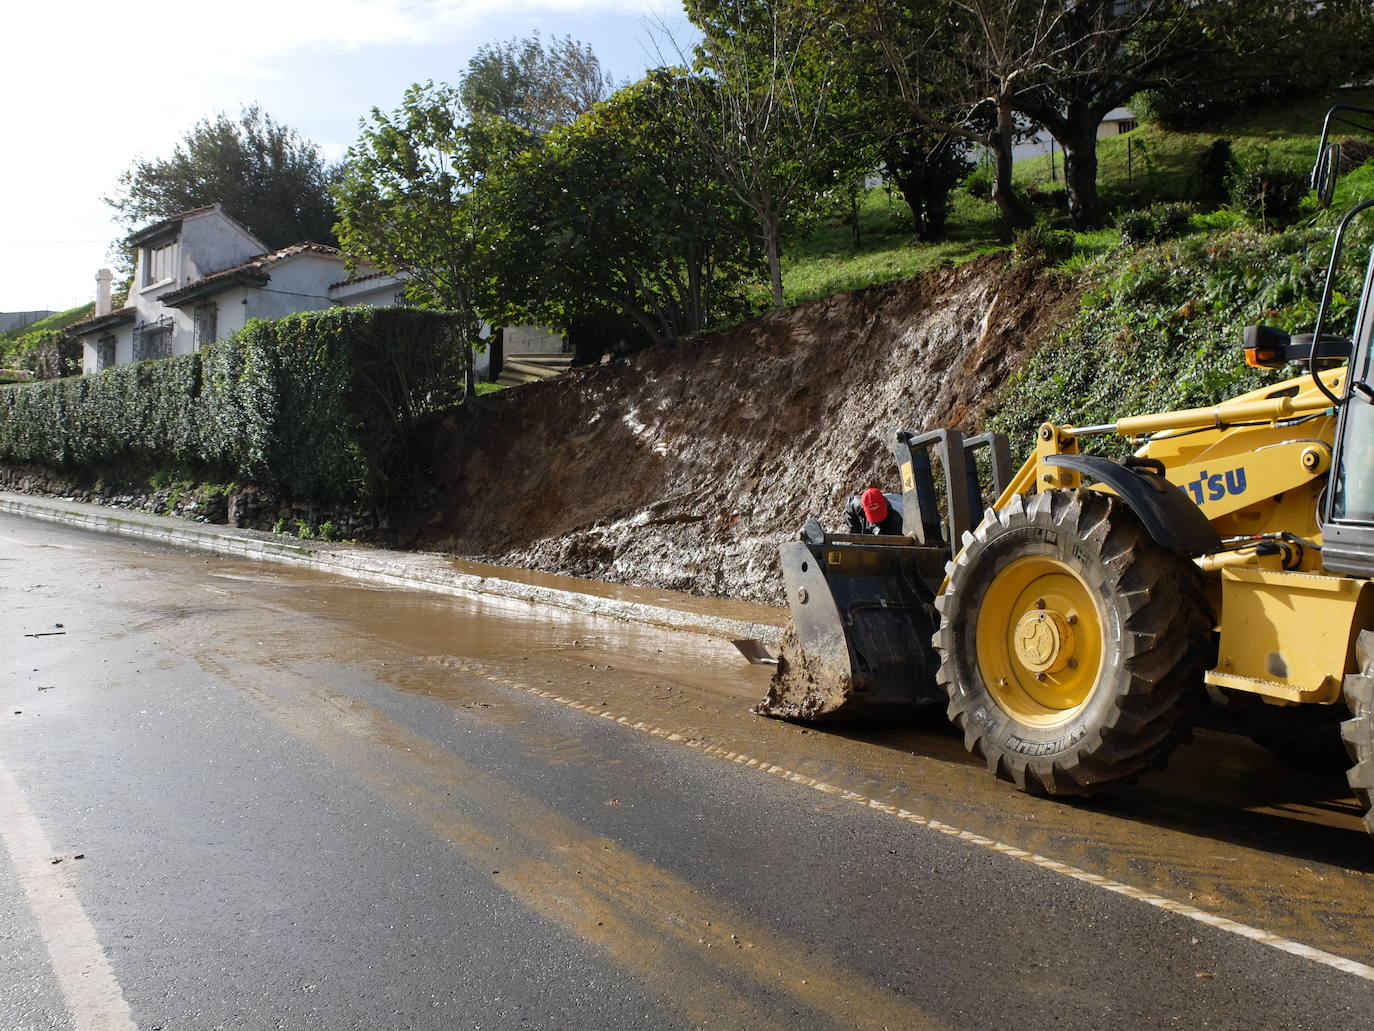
(862, 620)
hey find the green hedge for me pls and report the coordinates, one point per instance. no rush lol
(323, 405)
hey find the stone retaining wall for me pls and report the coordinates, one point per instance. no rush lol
(251, 507)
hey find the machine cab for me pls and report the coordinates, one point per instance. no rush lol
(1348, 507)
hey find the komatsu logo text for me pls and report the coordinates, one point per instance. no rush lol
(1215, 486)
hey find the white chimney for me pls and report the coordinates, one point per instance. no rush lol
(103, 279)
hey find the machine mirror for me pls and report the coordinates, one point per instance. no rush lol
(1270, 348)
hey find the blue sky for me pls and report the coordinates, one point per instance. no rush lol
(88, 87)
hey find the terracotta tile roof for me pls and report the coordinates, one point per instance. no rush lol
(98, 322)
(355, 280)
(252, 272)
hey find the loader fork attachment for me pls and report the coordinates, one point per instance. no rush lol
(934, 520)
(863, 611)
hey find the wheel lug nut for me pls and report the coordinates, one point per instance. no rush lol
(1039, 603)
(1073, 664)
(1071, 619)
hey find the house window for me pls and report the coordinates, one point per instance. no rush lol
(206, 317)
(157, 263)
(1126, 125)
(153, 340)
(104, 352)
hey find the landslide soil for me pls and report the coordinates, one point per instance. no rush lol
(684, 466)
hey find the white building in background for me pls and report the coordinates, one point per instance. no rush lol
(200, 276)
(1117, 121)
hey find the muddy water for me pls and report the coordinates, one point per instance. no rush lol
(1225, 828)
(715, 608)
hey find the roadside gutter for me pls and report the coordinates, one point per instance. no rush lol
(419, 570)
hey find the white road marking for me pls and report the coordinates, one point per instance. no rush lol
(94, 999)
(1221, 923)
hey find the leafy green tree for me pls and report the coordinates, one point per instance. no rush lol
(411, 201)
(925, 166)
(1233, 53)
(266, 175)
(969, 68)
(1193, 58)
(620, 216)
(535, 85)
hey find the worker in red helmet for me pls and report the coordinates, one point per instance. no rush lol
(874, 512)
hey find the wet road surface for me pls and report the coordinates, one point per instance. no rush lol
(299, 802)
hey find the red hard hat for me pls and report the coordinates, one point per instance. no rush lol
(874, 505)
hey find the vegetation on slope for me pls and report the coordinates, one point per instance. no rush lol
(1146, 166)
(40, 344)
(1159, 326)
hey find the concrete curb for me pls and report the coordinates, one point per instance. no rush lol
(416, 570)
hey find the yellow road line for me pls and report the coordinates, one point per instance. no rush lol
(644, 917)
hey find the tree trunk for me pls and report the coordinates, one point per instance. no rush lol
(469, 370)
(769, 224)
(1079, 140)
(1014, 213)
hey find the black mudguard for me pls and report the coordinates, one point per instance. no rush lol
(1170, 516)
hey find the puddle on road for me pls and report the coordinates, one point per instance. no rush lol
(721, 608)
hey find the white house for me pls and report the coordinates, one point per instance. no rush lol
(200, 275)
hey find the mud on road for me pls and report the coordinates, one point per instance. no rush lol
(683, 466)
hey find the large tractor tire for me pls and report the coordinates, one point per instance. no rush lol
(1358, 731)
(1072, 645)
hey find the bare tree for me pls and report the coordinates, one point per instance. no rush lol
(960, 66)
(1104, 52)
(761, 109)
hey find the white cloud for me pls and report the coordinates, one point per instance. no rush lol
(109, 83)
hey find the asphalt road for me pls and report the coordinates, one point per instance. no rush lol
(235, 796)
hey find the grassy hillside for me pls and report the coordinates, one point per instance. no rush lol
(19, 348)
(58, 320)
(1159, 327)
(1136, 169)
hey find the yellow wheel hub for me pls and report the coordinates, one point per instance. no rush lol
(1039, 641)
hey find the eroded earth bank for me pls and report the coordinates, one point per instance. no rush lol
(682, 467)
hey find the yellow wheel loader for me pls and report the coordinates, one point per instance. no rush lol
(1072, 614)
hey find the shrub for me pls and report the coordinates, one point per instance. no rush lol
(1155, 224)
(1043, 244)
(1268, 191)
(978, 183)
(1053, 200)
